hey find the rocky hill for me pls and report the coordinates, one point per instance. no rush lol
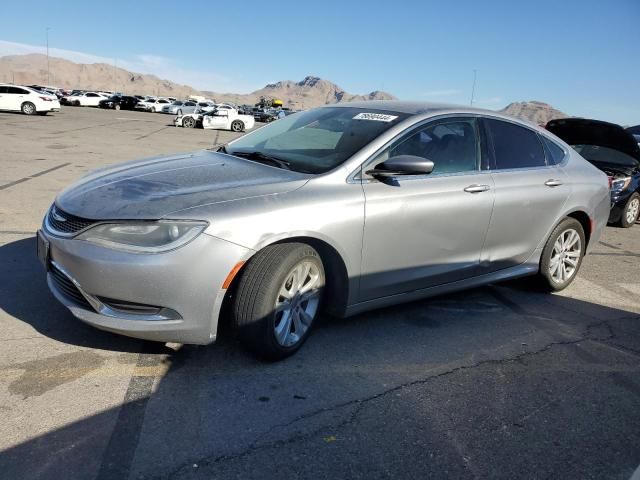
(308, 93)
(536, 112)
(32, 69)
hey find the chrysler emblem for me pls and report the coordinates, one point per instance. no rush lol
(58, 218)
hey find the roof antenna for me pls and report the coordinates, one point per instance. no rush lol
(473, 88)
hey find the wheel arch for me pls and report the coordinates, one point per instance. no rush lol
(336, 272)
(585, 220)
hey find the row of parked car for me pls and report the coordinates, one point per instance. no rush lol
(610, 147)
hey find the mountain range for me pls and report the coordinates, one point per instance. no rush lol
(308, 93)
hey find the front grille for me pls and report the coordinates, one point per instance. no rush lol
(67, 287)
(65, 223)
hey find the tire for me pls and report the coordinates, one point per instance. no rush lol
(188, 122)
(237, 126)
(568, 258)
(153, 109)
(179, 112)
(263, 328)
(116, 107)
(76, 103)
(631, 212)
(28, 108)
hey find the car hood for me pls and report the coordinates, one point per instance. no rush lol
(153, 188)
(581, 131)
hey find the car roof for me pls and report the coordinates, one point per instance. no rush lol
(411, 108)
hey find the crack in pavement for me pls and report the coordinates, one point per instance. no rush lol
(359, 404)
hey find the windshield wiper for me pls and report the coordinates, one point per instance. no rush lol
(264, 158)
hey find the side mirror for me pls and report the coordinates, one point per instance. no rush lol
(402, 165)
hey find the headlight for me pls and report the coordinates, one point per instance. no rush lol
(619, 184)
(144, 237)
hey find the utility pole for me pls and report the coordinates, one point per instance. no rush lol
(48, 78)
(473, 88)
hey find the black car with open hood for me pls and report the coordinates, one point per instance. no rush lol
(613, 150)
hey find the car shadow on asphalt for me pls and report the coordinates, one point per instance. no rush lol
(25, 296)
(219, 401)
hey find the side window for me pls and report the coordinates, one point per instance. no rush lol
(515, 146)
(92, 94)
(16, 91)
(552, 150)
(4, 89)
(452, 145)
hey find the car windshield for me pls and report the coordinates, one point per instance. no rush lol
(597, 154)
(177, 103)
(318, 140)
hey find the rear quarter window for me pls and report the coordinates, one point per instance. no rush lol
(554, 153)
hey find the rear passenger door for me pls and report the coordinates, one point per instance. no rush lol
(530, 192)
(4, 98)
(14, 98)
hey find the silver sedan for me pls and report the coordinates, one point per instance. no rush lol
(341, 209)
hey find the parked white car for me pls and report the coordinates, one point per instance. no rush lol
(223, 118)
(27, 100)
(153, 105)
(86, 99)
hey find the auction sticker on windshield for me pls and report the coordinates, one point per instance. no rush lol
(378, 117)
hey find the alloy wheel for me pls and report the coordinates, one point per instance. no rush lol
(297, 303)
(565, 256)
(632, 210)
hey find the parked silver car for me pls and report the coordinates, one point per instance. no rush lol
(179, 107)
(343, 208)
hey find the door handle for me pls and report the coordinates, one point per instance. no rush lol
(553, 183)
(476, 188)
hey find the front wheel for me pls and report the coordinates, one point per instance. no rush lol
(28, 108)
(630, 212)
(189, 122)
(116, 107)
(278, 299)
(562, 255)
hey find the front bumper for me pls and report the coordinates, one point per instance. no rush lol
(186, 283)
(618, 204)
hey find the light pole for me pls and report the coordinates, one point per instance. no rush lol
(473, 88)
(48, 79)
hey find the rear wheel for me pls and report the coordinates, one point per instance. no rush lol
(562, 255)
(188, 122)
(28, 108)
(278, 299)
(237, 126)
(630, 212)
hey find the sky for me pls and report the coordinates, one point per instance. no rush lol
(582, 57)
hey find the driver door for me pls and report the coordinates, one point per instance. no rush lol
(425, 230)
